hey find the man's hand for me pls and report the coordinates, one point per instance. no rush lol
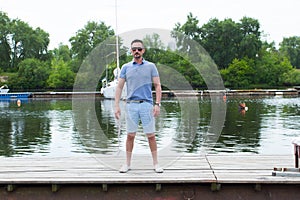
(117, 112)
(118, 94)
(156, 111)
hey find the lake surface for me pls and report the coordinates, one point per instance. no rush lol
(64, 127)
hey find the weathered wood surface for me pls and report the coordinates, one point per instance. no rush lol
(251, 169)
(227, 168)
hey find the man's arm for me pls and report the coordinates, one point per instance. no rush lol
(157, 86)
(118, 94)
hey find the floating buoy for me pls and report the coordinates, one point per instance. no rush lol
(242, 106)
(19, 102)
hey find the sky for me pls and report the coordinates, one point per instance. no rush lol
(62, 18)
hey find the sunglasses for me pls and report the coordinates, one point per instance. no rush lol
(136, 48)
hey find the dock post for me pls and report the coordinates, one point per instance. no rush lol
(296, 149)
(104, 187)
(215, 187)
(257, 187)
(158, 187)
(10, 187)
(55, 187)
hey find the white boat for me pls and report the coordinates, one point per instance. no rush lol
(4, 89)
(109, 88)
(16, 95)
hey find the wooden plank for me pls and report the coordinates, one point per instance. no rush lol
(249, 161)
(103, 169)
(286, 174)
(250, 168)
(137, 176)
(182, 169)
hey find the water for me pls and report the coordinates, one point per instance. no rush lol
(60, 127)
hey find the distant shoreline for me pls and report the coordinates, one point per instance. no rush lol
(180, 93)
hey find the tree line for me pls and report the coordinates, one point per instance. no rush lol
(243, 58)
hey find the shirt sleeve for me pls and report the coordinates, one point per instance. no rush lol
(154, 71)
(123, 72)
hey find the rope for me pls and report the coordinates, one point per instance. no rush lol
(119, 134)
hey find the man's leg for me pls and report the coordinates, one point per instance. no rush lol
(132, 118)
(153, 148)
(129, 147)
(148, 122)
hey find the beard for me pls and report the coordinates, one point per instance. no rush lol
(137, 55)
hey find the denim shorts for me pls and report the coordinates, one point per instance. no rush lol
(137, 112)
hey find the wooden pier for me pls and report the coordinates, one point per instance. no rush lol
(188, 176)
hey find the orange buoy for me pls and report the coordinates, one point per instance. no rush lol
(19, 102)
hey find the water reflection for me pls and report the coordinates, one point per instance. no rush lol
(52, 127)
(36, 127)
(24, 129)
(241, 129)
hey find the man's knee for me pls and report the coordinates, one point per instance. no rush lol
(130, 136)
(151, 136)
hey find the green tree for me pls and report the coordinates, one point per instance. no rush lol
(5, 50)
(291, 48)
(153, 41)
(239, 74)
(62, 53)
(272, 67)
(190, 28)
(292, 77)
(32, 74)
(187, 31)
(88, 38)
(181, 72)
(226, 40)
(61, 75)
(223, 45)
(223, 40)
(155, 49)
(19, 41)
(26, 42)
(250, 41)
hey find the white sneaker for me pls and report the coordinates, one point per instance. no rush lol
(125, 168)
(158, 169)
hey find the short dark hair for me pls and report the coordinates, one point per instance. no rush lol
(137, 40)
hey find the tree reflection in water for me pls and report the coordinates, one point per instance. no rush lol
(50, 127)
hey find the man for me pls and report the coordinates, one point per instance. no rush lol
(139, 75)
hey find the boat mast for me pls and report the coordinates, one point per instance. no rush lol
(117, 37)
